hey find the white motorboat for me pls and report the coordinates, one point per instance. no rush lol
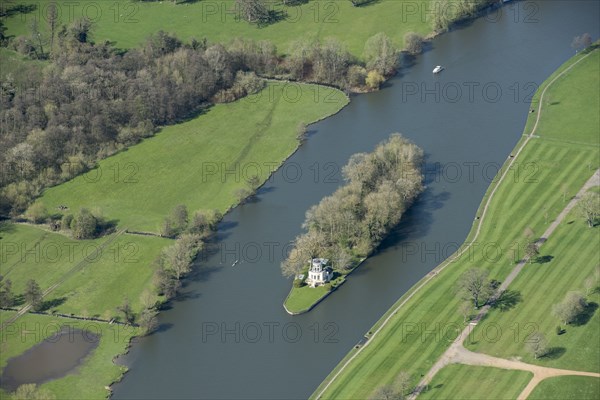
(438, 69)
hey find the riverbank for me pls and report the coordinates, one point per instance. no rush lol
(502, 219)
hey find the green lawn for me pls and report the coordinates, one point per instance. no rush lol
(464, 382)
(301, 299)
(531, 199)
(567, 388)
(199, 163)
(98, 370)
(562, 118)
(129, 23)
(123, 268)
(540, 286)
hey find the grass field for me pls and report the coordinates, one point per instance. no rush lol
(464, 382)
(129, 23)
(533, 198)
(301, 299)
(123, 268)
(567, 388)
(188, 163)
(539, 286)
(88, 381)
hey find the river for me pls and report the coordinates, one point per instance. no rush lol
(229, 336)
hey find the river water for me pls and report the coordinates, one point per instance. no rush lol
(229, 336)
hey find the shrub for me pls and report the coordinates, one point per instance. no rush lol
(84, 225)
(413, 43)
(374, 79)
(37, 213)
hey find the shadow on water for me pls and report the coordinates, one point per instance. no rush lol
(416, 221)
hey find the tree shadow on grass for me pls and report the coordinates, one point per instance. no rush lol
(507, 300)
(585, 315)
(48, 304)
(544, 259)
(554, 353)
(18, 9)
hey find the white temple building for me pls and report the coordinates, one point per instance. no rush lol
(319, 273)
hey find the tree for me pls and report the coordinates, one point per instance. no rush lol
(179, 216)
(37, 213)
(38, 39)
(178, 257)
(166, 284)
(81, 29)
(413, 42)
(148, 320)
(200, 224)
(84, 225)
(581, 42)
(570, 308)
(52, 18)
(402, 384)
(396, 391)
(6, 296)
(385, 392)
(127, 311)
(30, 391)
(537, 344)
(241, 194)
(33, 294)
(381, 54)
(531, 251)
(466, 309)
(254, 11)
(473, 284)
(589, 208)
(374, 79)
(167, 229)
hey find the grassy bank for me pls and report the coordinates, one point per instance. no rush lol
(95, 275)
(129, 23)
(532, 199)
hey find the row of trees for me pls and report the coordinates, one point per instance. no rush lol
(352, 222)
(446, 12)
(32, 294)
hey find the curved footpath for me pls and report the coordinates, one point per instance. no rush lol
(465, 248)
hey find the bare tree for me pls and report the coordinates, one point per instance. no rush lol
(589, 207)
(381, 54)
(413, 42)
(466, 310)
(572, 306)
(537, 344)
(531, 251)
(52, 18)
(474, 285)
